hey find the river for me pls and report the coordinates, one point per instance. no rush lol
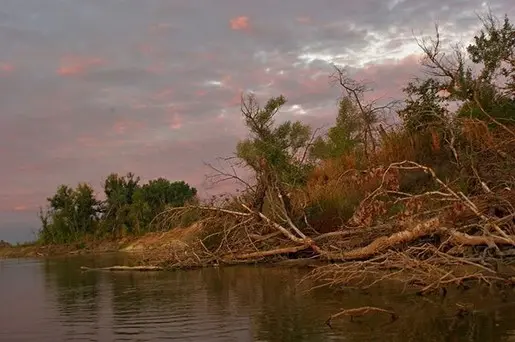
(52, 300)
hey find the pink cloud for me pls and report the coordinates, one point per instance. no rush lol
(175, 122)
(7, 68)
(88, 141)
(206, 56)
(240, 23)
(146, 49)
(304, 20)
(220, 117)
(389, 77)
(126, 126)
(235, 100)
(135, 104)
(200, 92)
(22, 199)
(71, 65)
(165, 93)
(31, 167)
(157, 68)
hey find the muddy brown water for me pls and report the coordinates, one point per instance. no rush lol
(52, 300)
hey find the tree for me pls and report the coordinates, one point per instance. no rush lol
(71, 213)
(152, 198)
(58, 219)
(481, 79)
(86, 208)
(364, 113)
(276, 153)
(119, 192)
(424, 107)
(342, 138)
(494, 48)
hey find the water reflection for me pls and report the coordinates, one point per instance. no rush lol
(52, 300)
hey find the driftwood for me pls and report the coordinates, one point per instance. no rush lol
(362, 311)
(383, 243)
(429, 227)
(123, 268)
(272, 252)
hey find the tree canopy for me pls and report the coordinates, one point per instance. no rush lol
(128, 207)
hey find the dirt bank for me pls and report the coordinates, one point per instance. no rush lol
(149, 244)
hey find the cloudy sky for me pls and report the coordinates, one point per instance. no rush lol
(153, 87)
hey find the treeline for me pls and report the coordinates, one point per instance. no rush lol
(128, 208)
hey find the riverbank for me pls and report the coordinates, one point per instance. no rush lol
(151, 243)
(192, 247)
(36, 250)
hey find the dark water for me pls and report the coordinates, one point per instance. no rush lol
(52, 300)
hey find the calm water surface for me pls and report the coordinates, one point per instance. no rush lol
(52, 300)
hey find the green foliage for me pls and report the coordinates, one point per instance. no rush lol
(494, 48)
(128, 208)
(72, 213)
(119, 192)
(342, 138)
(155, 196)
(424, 108)
(482, 79)
(497, 106)
(271, 147)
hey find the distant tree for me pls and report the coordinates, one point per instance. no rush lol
(119, 192)
(86, 208)
(493, 89)
(152, 198)
(128, 208)
(71, 214)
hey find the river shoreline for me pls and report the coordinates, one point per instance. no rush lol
(149, 242)
(35, 250)
(133, 246)
(164, 251)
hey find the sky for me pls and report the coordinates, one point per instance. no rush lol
(153, 87)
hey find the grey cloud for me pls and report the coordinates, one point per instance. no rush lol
(117, 76)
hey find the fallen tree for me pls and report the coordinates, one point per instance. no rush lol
(426, 250)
